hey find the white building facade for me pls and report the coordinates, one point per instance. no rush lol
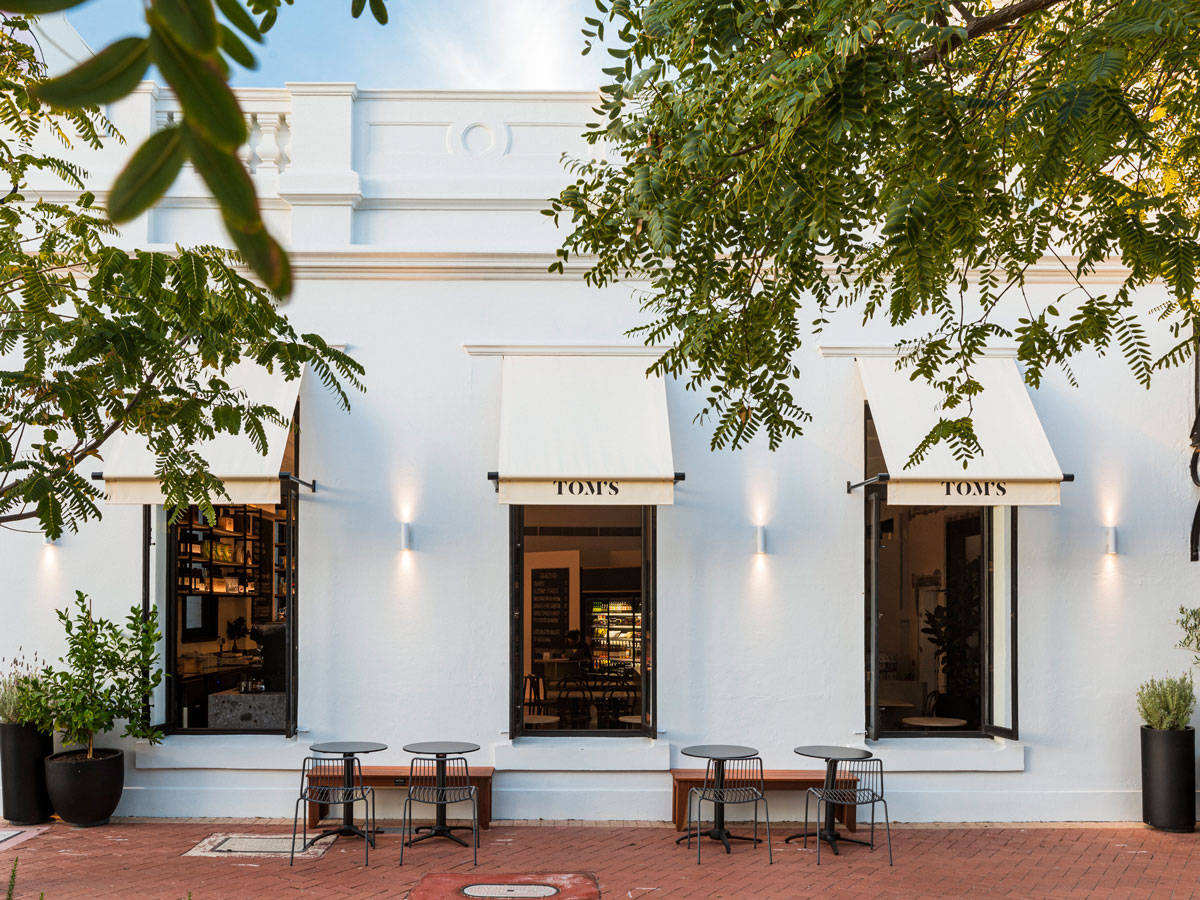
(413, 219)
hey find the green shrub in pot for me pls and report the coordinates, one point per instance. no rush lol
(108, 672)
(1168, 752)
(23, 749)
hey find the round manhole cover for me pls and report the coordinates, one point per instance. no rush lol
(509, 890)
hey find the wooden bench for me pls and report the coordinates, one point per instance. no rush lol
(683, 780)
(383, 777)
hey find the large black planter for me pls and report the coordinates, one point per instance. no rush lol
(1169, 778)
(23, 752)
(85, 791)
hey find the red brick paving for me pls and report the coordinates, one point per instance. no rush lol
(139, 860)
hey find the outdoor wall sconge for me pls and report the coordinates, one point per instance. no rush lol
(760, 539)
(1110, 539)
(405, 536)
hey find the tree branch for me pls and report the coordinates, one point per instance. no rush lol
(986, 25)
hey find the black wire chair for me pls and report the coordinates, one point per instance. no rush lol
(423, 787)
(535, 694)
(622, 700)
(742, 782)
(574, 703)
(856, 782)
(323, 780)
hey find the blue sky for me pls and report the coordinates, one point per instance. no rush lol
(427, 44)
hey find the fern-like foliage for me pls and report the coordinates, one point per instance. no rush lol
(766, 165)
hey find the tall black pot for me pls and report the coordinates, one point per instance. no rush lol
(1169, 778)
(23, 752)
(85, 791)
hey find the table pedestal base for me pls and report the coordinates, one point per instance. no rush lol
(344, 831)
(831, 836)
(723, 835)
(439, 830)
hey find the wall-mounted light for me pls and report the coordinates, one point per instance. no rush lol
(1110, 539)
(405, 536)
(760, 539)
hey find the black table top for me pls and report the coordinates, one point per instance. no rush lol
(440, 748)
(827, 752)
(347, 748)
(719, 751)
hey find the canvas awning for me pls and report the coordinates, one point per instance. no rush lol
(249, 476)
(584, 430)
(1017, 466)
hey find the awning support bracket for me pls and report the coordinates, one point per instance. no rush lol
(881, 478)
(288, 476)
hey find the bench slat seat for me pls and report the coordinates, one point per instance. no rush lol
(683, 780)
(383, 777)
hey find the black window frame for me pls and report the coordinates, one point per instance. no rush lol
(516, 688)
(169, 724)
(875, 495)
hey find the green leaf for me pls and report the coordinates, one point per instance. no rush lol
(236, 50)
(192, 22)
(208, 104)
(109, 75)
(240, 19)
(357, 7)
(226, 177)
(147, 175)
(264, 255)
(379, 11)
(36, 7)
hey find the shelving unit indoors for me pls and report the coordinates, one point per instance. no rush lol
(611, 600)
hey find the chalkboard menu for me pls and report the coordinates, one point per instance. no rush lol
(260, 609)
(551, 596)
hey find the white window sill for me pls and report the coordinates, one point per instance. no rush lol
(948, 754)
(582, 754)
(222, 751)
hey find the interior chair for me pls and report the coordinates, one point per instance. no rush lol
(535, 694)
(742, 783)
(574, 704)
(856, 782)
(423, 787)
(323, 780)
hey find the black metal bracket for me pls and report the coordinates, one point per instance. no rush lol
(881, 478)
(288, 476)
(97, 476)
(495, 477)
(1068, 476)
(680, 476)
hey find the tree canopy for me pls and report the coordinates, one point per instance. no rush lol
(773, 162)
(96, 340)
(193, 43)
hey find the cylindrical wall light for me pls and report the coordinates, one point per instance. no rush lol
(760, 539)
(1110, 534)
(405, 536)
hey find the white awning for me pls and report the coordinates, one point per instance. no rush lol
(249, 476)
(584, 430)
(1017, 466)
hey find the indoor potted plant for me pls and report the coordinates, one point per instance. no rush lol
(108, 672)
(23, 751)
(1168, 753)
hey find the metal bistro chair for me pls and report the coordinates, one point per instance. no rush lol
(535, 694)
(423, 788)
(574, 703)
(323, 780)
(856, 782)
(742, 783)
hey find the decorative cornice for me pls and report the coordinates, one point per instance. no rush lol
(391, 265)
(564, 350)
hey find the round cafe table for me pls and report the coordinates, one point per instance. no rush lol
(832, 755)
(347, 750)
(440, 750)
(719, 753)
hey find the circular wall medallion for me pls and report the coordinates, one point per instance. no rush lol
(509, 890)
(477, 140)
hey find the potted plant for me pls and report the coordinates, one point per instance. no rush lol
(1168, 753)
(108, 672)
(23, 751)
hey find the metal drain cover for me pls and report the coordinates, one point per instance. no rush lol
(509, 890)
(6, 835)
